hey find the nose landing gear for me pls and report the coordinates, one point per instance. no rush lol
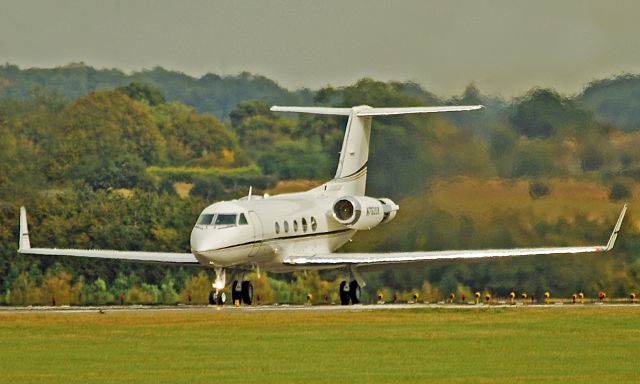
(241, 291)
(217, 296)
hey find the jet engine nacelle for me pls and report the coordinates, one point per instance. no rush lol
(362, 212)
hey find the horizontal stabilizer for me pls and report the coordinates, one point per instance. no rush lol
(409, 110)
(314, 110)
(365, 110)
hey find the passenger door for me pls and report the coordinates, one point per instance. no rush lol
(257, 233)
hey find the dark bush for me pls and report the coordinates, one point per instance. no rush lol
(538, 189)
(591, 159)
(209, 189)
(619, 191)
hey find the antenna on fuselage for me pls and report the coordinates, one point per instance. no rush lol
(249, 195)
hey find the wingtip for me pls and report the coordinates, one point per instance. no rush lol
(616, 229)
(24, 242)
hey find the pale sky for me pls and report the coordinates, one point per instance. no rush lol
(505, 47)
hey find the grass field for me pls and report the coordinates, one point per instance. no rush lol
(524, 345)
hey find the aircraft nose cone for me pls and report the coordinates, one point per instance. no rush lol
(198, 240)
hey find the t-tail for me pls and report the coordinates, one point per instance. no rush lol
(351, 174)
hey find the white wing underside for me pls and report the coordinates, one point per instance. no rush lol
(149, 257)
(363, 259)
(371, 259)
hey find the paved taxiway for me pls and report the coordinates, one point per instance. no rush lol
(295, 308)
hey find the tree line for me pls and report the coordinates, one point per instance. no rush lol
(100, 169)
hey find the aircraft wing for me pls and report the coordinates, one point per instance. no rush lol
(368, 260)
(152, 257)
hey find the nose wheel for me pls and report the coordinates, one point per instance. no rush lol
(217, 297)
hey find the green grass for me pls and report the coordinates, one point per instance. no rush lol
(524, 345)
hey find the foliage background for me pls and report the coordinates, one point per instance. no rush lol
(104, 159)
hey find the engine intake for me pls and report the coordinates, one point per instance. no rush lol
(362, 212)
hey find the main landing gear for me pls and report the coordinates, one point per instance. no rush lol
(350, 292)
(241, 291)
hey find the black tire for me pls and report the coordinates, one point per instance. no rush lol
(344, 294)
(354, 292)
(212, 297)
(247, 292)
(222, 297)
(235, 294)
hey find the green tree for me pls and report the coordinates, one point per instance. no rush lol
(209, 189)
(542, 112)
(143, 92)
(99, 128)
(192, 138)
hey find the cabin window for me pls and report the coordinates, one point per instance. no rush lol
(314, 224)
(304, 225)
(205, 219)
(286, 226)
(277, 227)
(226, 219)
(242, 220)
(295, 225)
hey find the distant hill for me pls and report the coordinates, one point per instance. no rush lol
(616, 101)
(210, 93)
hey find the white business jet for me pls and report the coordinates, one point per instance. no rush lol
(302, 231)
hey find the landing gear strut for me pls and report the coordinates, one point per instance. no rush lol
(217, 296)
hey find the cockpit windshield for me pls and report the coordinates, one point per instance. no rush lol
(222, 219)
(205, 219)
(226, 219)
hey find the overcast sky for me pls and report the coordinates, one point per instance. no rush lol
(505, 47)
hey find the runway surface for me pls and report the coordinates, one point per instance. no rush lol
(298, 308)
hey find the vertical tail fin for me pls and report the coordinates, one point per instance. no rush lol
(352, 165)
(351, 174)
